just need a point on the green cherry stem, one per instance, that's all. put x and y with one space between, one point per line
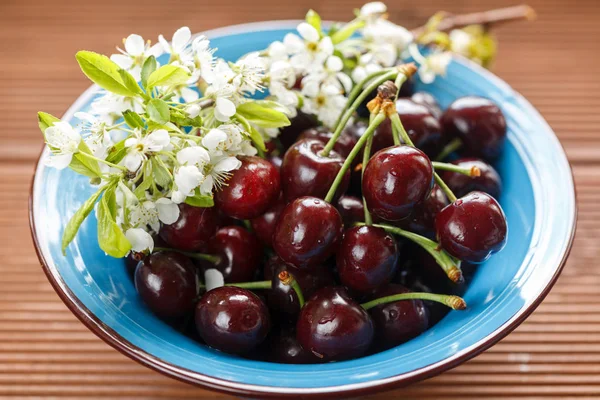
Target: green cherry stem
454 302
450 265
472 172
365 160
288 279
252 285
450 148
375 122
198 256
395 120
349 111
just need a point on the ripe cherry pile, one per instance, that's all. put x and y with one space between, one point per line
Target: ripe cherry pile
329 252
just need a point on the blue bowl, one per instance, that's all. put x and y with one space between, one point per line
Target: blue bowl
538 199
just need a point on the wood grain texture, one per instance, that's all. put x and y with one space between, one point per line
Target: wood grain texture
46 352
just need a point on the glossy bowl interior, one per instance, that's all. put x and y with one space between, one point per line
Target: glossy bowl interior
538 199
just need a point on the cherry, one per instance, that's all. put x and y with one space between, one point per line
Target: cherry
422 219
366 258
308 232
305 172
283 298
192 230
298 124
472 228
420 124
166 282
395 180
251 189
488 181
232 319
428 101
351 209
284 348
479 123
399 321
264 225
333 326
239 253
343 145
276 160
132 260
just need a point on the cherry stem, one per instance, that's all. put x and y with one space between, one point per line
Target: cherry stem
198 256
252 285
365 161
440 182
489 17
349 111
356 91
449 264
288 279
395 120
472 171
450 148
375 122
454 302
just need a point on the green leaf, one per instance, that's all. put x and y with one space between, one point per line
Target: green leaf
133 119
161 173
263 114
130 81
168 75
117 152
346 31
111 238
103 72
46 120
83 162
181 119
149 67
158 111
199 200
78 218
257 139
314 20
140 190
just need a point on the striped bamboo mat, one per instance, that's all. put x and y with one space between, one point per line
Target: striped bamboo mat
45 351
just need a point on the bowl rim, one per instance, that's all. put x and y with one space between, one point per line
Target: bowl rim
111 337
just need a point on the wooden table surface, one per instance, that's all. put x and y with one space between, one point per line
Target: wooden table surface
45 351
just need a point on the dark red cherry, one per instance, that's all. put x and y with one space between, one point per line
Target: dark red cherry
132 260
395 180
298 124
472 228
399 321
239 252
166 282
192 230
344 144
479 123
422 219
333 326
305 172
366 258
232 319
308 232
488 181
271 147
427 100
420 124
282 298
276 160
351 209
264 225
284 348
251 189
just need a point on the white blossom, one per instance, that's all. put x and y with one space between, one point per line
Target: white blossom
431 66
110 107
202 57
63 141
135 53
372 11
179 46
151 213
460 41
140 240
309 48
139 147
384 31
226 139
326 102
250 72
329 74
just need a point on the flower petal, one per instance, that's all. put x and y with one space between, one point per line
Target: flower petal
181 37
334 63
187 178
308 32
195 155
213 278
225 107
59 161
132 161
213 139
158 139
122 60
140 240
135 45
168 212
227 164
